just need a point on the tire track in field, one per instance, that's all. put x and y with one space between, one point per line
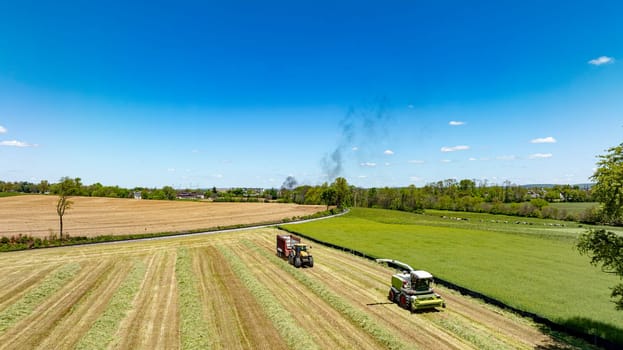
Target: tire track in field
29 331
69 330
329 329
153 321
240 321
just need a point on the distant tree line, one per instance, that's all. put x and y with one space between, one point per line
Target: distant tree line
450 194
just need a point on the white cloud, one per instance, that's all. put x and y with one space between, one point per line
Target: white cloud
415 178
540 156
355 148
415 161
472 158
446 161
601 60
218 176
454 148
171 170
508 157
387 164
362 176
15 143
456 123
368 164
388 152
548 139
3 130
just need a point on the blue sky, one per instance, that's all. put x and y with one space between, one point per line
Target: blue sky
232 93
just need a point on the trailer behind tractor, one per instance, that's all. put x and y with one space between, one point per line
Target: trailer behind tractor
297 253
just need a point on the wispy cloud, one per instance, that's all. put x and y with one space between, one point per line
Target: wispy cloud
362 176
601 60
548 139
416 161
415 178
388 152
454 148
3 130
472 159
368 164
456 123
446 161
540 156
15 143
355 148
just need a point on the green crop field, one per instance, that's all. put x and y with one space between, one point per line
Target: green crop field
529 264
574 208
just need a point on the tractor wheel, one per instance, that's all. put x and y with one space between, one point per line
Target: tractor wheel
311 261
403 302
391 296
297 262
290 260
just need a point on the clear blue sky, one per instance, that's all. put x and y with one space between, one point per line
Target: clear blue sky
231 93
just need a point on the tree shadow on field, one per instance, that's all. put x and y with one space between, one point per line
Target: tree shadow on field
583 333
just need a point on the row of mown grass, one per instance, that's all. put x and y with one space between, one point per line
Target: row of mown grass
529 272
356 316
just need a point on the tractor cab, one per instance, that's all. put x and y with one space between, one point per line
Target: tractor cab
421 281
301 256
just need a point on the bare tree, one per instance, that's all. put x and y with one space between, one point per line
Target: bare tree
63 204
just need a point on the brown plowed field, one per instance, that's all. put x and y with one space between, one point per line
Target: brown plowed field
35 215
235 318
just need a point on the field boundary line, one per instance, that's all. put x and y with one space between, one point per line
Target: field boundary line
590 338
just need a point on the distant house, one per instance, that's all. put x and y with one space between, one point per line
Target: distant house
190 195
138 195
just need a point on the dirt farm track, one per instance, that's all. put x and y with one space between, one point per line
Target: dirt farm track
36 215
221 291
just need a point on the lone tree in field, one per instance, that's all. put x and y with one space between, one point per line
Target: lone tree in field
608 187
606 248
64 189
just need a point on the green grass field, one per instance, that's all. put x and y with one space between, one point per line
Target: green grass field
529 264
574 208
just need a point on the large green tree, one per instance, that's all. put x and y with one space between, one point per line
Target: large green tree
608 187
606 249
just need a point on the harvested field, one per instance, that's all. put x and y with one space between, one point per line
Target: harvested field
230 291
35 215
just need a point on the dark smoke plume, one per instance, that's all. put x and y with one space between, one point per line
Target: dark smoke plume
362 128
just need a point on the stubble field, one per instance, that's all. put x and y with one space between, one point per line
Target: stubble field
229 291
36 216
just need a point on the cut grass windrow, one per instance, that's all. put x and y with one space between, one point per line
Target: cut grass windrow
27 304
103 330
295 337
194 330
357 317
